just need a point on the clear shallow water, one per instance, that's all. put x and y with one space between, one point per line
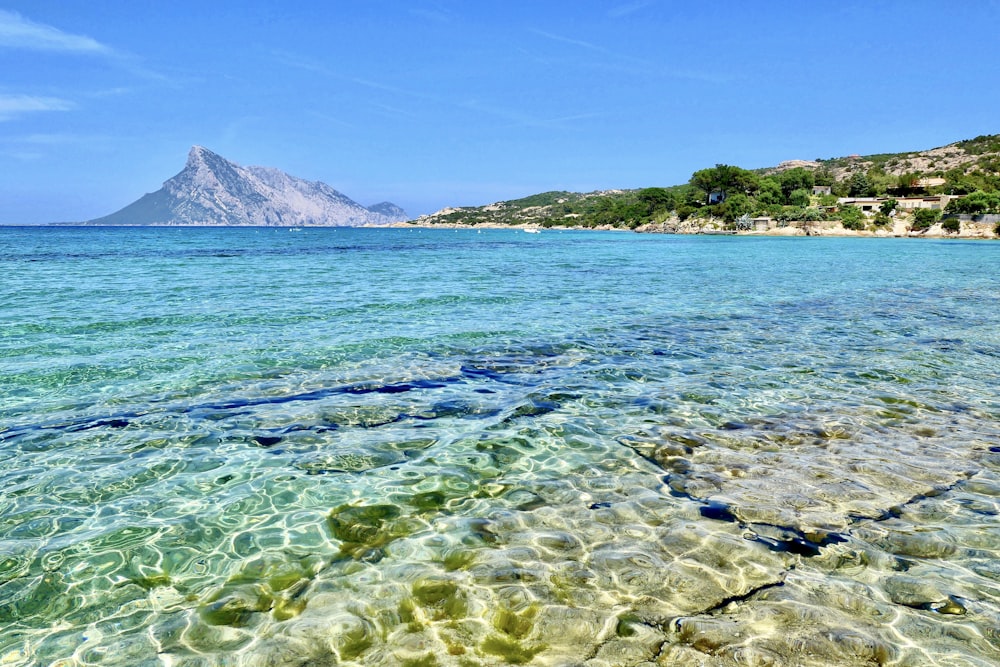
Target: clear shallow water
382 447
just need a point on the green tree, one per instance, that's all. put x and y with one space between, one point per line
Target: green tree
859 185
823 176
880 181
975 203
691 196
888 206
798 178
736 204
799 197
655 200
907 183
725 178
769 192
923 218
852 217
791 213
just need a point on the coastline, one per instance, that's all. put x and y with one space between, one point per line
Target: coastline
834 228
968 230
529 227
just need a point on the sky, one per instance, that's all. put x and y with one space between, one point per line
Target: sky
435 103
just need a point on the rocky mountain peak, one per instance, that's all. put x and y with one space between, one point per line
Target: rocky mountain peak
211 190
196 155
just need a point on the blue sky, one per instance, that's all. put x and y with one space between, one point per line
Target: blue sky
438 103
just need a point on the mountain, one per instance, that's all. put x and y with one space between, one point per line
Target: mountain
390 210
212 191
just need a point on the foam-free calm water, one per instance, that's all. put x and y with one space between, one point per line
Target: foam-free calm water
383 447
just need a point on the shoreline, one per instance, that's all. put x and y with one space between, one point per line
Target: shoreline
969 231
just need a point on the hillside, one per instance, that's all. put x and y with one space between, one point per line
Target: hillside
793 191
957 160
547 208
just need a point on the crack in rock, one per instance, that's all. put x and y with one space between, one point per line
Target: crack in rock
784 538
675 625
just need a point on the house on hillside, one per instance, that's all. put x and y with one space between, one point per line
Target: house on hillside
821 190
866 204
716 197
936 202
871 205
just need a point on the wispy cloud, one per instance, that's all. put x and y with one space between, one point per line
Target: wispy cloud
300 62
629 8
57 139
514 117
569 40
39 146
331 119
521 119
437 15
18 32
12 106
309 65
118 91
612 56
631 64
22 156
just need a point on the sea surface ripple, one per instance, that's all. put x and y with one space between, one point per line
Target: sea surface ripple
460 447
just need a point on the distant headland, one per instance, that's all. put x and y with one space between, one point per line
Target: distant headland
951 191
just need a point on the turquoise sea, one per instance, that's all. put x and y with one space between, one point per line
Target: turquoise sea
457 447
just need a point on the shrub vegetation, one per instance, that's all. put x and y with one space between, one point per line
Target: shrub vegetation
728 193
852 217
924 218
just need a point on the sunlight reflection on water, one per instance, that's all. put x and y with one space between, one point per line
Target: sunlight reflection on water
381 447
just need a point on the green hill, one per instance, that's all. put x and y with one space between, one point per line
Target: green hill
783 192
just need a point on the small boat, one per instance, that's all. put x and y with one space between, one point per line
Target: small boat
532 230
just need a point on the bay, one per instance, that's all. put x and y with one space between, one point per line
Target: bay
460 447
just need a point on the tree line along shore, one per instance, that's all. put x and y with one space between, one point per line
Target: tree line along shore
949 191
